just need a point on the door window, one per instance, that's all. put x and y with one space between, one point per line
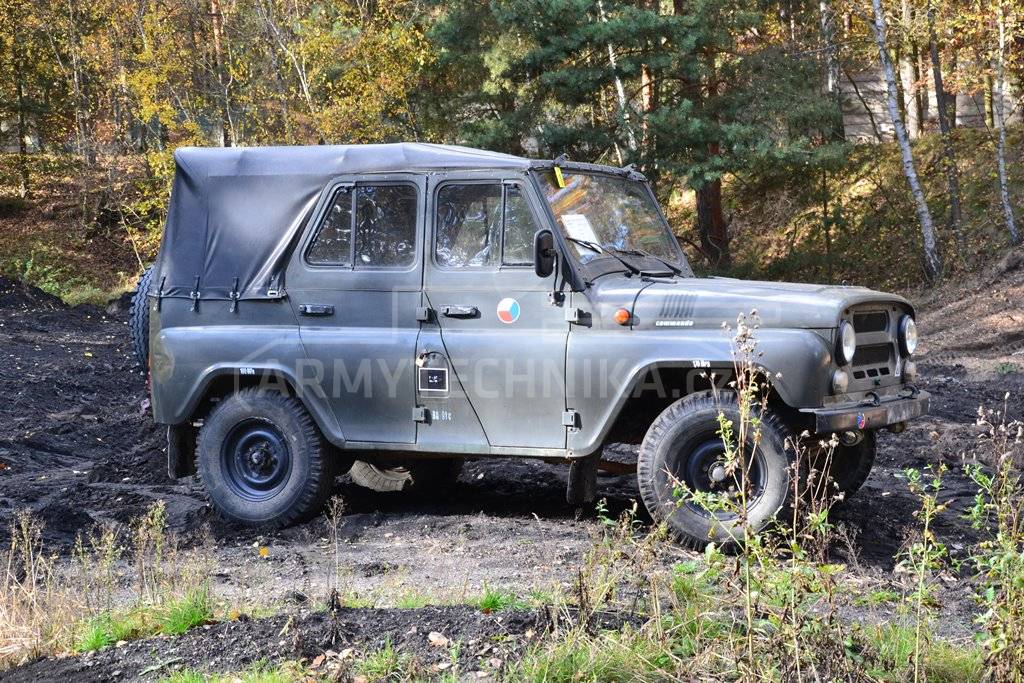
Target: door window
479 225
383 220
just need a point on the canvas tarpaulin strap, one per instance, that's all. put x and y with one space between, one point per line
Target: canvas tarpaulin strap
235 212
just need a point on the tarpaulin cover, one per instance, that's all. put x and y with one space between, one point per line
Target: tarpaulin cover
235 211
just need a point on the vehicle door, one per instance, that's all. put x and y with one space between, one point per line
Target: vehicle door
504 338
355 282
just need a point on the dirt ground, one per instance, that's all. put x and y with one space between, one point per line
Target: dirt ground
78 448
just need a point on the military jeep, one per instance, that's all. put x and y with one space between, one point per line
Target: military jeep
391 310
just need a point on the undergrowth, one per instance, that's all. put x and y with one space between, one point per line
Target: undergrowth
116 586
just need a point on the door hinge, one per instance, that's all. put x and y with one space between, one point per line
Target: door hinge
421 414
571 419
576 316
425 314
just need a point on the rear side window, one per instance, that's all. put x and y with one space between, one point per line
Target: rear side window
381 217
482 224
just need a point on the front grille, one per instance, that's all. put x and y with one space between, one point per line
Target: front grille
872 361
876 356
875 321
872 355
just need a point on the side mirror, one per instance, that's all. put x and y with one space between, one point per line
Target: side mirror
544 253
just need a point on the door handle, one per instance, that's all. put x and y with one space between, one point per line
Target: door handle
460 311
316 309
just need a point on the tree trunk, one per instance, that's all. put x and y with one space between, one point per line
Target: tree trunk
949 153
909 76
1000 121
932 262
620 90
84 148
714 235
832 71
18 64
217 26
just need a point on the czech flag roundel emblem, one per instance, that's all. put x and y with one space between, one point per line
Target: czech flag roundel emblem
508 310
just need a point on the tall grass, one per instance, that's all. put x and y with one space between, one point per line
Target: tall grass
116 586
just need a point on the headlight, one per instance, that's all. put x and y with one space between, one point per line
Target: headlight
908 335
847 343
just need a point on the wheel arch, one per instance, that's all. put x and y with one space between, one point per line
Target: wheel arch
223 380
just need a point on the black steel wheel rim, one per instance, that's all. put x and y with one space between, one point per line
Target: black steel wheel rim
256 459
701 466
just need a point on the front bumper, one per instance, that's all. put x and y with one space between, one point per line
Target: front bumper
886 412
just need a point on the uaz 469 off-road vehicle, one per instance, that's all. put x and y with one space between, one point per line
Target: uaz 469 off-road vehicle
390 310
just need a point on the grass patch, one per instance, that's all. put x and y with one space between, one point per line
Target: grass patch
498 599
172 618
261 672
116 585
385 664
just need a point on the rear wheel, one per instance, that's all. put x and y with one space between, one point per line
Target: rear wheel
138 318
417 475
262 460
683 451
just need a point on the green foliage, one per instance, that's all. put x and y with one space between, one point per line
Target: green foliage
384 664
172 618
260 672
178 616
999 558
498 599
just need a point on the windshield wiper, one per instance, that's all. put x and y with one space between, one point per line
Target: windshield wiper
600 249
641 252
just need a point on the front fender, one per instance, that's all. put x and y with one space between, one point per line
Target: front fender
605 369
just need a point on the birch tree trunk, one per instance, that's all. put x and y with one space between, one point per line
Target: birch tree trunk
932 262
217 28
832 71
620 90
18 64
949 153
999 107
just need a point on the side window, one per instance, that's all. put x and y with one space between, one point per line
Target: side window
383 222
468 225
479 225
519 228
332 245
385 225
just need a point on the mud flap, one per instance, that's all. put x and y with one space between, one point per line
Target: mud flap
582 487
181 450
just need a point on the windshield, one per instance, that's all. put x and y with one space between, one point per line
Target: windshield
605 216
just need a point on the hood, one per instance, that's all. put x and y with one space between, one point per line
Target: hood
709 302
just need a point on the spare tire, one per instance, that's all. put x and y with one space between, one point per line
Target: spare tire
138 318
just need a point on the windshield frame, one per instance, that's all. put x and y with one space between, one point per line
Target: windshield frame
608 263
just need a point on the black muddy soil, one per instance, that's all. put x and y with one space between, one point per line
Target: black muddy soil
485 642
78 448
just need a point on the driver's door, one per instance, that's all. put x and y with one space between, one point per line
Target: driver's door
504 338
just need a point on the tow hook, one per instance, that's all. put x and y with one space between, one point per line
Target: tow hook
898 427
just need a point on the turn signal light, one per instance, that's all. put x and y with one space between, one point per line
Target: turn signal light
622 316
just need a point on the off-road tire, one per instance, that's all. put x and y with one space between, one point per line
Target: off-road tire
138 318
851 465
308 482
690 420
423 475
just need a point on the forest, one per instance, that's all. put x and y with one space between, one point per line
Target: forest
735 110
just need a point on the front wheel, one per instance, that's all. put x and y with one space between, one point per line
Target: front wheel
262 460
686 481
